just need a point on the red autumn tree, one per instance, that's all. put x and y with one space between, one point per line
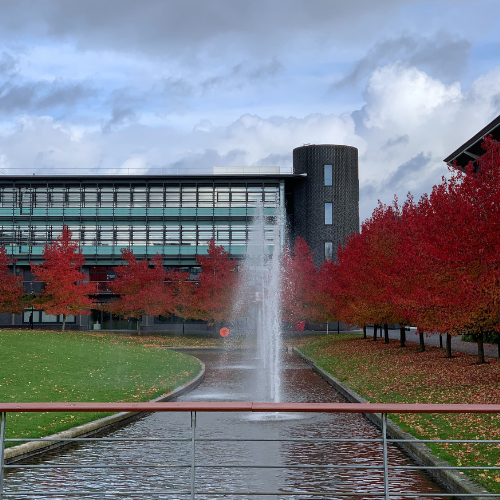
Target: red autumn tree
327 292
11 288
369 277
299 284
66 289
142 289
184 291
459 230
213 299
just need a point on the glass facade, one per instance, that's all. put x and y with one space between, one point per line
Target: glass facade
175 218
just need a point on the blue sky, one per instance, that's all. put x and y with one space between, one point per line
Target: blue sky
121 85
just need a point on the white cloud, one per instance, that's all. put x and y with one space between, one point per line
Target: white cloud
399 96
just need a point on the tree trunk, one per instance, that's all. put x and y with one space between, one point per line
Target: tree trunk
139 327
448 345
183 323
402 336
440 341
214 329
364 336
64 323
386 333
498 344
422 343
374 332
480 348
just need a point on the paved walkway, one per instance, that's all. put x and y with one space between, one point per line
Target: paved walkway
490 350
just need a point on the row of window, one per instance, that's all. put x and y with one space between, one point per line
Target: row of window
42 317
328 176
170 196
129 235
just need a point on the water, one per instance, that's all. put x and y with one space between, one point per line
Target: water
259 300
229 378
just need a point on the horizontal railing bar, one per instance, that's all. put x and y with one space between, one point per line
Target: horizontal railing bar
243 466
236 440
263 493
292 440
250 407
114 466
14 440
95 492
482 441
211 493
284 440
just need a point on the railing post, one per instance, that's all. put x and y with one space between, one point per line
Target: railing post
193 452
384 447
3 421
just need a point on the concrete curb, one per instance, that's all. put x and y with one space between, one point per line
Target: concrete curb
32 448
452 480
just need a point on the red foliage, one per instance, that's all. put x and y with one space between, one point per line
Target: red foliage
142 289
11 288
184 291
66 289
212 300
457 229
299 284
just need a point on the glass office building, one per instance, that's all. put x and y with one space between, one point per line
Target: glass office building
173 216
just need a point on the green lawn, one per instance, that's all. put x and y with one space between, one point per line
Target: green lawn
42 366
387 373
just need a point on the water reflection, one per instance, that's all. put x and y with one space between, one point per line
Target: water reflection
282 463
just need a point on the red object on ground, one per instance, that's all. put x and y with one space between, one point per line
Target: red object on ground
224 332
300 326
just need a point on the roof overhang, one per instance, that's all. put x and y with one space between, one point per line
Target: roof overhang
472 149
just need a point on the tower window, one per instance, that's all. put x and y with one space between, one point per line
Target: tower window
328 250
328 213
328 175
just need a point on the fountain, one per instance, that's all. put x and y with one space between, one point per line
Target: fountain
260 293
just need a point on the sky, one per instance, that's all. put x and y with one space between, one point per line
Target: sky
121 86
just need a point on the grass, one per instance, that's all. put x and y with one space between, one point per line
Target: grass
44 366
387 373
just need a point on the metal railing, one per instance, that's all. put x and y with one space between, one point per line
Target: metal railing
193 408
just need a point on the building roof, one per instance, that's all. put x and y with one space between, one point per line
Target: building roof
472 149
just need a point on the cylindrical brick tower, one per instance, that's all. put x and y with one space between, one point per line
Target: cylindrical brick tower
326 201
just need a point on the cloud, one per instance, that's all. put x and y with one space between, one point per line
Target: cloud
187 28
397 95
8 63
32 97
440 56
206 160
119 116
242 74
397 140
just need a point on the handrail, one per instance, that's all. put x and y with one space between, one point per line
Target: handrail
211 491
251 407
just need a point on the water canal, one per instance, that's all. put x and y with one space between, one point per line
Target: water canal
230 376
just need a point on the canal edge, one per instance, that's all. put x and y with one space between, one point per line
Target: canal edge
34 448
420 452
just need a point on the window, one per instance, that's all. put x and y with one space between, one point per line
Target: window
328 213
328 250
328 175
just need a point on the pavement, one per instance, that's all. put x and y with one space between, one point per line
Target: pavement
457 344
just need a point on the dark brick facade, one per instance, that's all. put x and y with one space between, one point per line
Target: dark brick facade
311 194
